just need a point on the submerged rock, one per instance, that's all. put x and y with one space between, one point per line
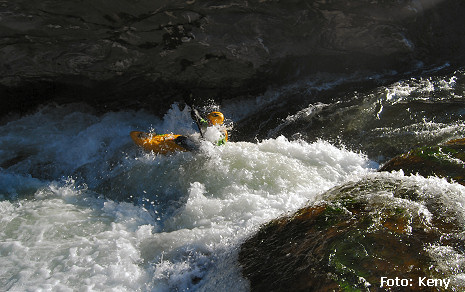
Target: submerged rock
446 161
148 53
361 232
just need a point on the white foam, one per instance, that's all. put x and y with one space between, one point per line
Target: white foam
65 240
232 190
418 88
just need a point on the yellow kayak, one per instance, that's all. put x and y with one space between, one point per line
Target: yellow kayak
163 144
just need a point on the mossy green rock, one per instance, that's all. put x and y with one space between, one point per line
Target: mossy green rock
378 227
446 160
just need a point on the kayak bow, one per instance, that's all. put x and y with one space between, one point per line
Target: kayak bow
163 144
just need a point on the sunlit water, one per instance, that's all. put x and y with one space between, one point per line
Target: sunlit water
82 208
385 121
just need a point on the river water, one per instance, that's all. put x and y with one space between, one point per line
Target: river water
82 208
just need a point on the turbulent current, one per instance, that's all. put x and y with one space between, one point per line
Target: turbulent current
83 208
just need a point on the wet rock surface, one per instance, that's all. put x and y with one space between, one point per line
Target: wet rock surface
147 54
361 232
446 160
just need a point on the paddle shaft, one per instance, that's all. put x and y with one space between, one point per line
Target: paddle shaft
194 114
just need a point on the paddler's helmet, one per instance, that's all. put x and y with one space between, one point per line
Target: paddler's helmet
216 118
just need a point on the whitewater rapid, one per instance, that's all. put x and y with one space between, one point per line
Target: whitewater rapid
82 207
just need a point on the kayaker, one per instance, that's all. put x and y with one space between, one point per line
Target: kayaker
213 121
211 129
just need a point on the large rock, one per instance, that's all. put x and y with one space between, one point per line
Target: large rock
446 161
145 53
378 227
